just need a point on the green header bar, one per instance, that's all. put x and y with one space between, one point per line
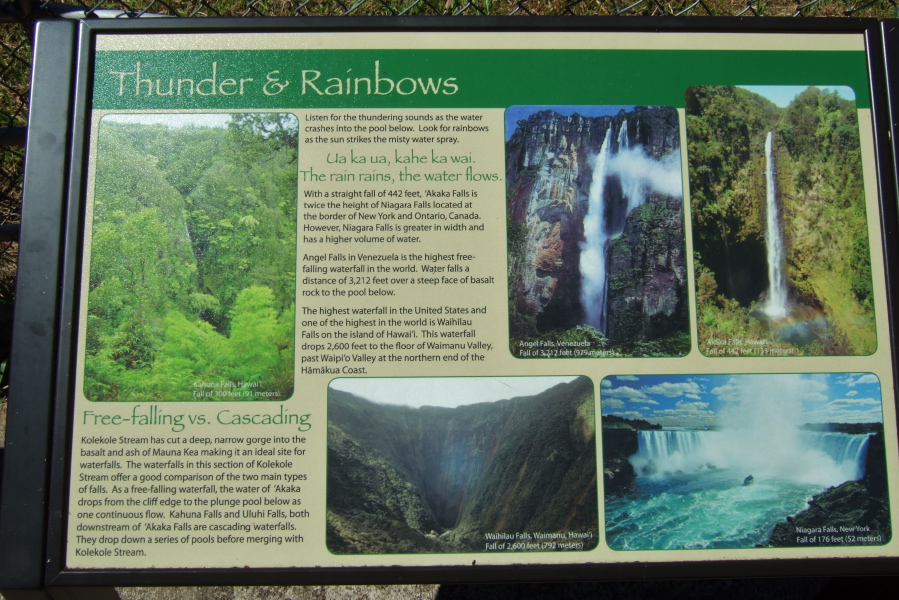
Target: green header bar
272 79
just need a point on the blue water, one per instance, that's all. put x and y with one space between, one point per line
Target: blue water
689 492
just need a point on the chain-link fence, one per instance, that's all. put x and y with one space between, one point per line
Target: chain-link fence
30 10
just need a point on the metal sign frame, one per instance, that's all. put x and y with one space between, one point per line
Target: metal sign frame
35 506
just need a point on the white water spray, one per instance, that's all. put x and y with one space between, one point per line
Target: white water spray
639 175
831 458
622 136
776 305
761 434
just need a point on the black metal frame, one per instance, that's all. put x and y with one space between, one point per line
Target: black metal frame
33 505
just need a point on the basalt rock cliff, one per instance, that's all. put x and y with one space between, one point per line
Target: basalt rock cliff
435 479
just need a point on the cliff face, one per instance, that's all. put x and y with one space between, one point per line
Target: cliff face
648 273
402 479
551 165
619 443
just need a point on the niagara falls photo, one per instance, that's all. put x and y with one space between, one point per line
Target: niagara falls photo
743 461
780 233
191 288
464 464
595 232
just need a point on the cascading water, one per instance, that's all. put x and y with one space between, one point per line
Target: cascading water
638 175
776 304
693 488
829 458
593 260
622 136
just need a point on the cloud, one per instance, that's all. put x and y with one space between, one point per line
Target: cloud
814 397
745 387
645 401
673 389
851 393
630 414
848 410
729 392
627 393
612 403
845 415
863 378
814 385
685 414
855 402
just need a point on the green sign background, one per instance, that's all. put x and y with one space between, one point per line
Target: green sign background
485 78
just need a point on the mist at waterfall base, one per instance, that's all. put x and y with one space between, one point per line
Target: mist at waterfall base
639 176
690 491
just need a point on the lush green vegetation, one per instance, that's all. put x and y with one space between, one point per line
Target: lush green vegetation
822 204
193 260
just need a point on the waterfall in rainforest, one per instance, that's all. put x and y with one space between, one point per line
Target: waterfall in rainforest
776 304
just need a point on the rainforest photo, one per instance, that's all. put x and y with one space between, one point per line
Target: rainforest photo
595 221
780 234
192 258
465 464
744 461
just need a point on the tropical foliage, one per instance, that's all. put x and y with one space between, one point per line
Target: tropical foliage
822 212
193 260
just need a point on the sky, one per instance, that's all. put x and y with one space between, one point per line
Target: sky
173 120
448 392
698 400
514 114
782 95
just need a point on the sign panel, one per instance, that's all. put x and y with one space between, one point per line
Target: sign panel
442 299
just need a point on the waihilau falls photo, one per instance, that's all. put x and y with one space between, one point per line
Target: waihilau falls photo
412 468
596 250
780 234
744 461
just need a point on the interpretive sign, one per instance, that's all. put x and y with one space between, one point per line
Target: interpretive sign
432 298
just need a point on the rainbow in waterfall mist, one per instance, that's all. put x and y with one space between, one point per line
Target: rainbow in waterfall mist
735 454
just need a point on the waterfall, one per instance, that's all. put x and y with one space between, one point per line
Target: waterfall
830 458
669 451
847 450
638 175
622 136
776 305
593 259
